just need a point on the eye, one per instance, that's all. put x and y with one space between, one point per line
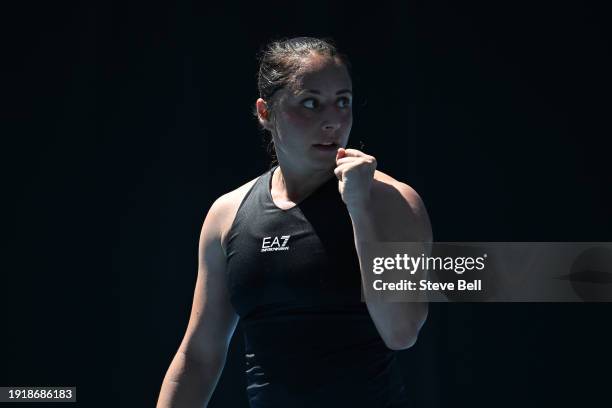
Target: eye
310 103
344 102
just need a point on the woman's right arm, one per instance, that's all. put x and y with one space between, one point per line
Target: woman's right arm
197 365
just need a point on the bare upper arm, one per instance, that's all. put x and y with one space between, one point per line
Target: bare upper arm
213 319
403 209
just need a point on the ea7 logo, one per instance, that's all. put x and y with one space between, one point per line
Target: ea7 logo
276 244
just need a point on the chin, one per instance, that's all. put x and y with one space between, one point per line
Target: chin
324 163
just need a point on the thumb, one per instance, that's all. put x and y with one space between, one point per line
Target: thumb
341 153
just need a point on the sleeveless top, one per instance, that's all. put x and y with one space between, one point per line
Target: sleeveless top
294 280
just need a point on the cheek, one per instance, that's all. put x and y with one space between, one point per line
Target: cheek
346 121
298 118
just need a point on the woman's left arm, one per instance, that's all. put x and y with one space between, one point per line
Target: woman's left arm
384 212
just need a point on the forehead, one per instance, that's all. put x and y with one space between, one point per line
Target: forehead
321 73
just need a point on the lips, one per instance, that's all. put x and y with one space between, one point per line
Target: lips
326 147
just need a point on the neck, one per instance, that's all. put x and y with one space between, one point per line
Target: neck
293 185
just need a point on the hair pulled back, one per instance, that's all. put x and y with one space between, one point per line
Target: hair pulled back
279 64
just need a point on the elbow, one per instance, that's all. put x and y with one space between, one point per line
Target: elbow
402 338
401 341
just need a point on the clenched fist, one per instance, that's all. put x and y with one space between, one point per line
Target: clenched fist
355 172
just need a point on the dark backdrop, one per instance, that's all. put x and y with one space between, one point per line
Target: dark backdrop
124 121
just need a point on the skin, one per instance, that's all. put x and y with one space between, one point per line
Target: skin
302 118
381 209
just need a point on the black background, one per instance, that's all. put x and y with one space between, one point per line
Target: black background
122 122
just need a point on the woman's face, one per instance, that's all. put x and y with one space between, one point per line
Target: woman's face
315 110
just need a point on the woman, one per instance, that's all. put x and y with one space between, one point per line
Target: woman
282 255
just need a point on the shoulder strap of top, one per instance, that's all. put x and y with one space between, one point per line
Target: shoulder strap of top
251 201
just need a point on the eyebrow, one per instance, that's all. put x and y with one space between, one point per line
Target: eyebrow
314 91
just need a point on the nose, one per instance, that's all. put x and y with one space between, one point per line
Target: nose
331 122
330 126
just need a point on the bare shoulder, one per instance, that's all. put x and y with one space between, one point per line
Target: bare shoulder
223 210
400 201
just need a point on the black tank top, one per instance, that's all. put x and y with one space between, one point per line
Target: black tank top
294 280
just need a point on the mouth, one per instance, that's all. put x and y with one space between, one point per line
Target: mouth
330 146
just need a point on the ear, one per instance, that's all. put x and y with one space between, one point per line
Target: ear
263 113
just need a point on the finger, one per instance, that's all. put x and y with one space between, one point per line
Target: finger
354 153
340 153
341 169
345 160
338 171
365 159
